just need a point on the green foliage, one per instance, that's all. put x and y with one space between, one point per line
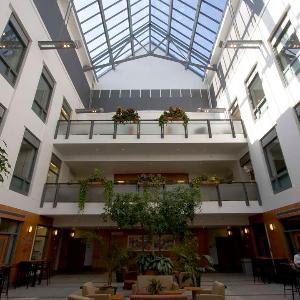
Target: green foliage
145 262
151 180
189 261
155 287
95 176
4 164
163 265
197 181
174 114
83 190
126 115
156 211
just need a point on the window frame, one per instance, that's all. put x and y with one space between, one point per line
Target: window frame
233 108
46 237
31 139
23 36
296 111
277 34
3 115
257 110
68 110
274 177
46 75
57 162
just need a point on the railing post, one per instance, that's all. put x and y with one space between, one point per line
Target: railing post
55 196
232 128
68 129
43 195
244 129
92 130
209 129
246 194
138 134
219 195
115 130
56 129
162 131
186 133
258 195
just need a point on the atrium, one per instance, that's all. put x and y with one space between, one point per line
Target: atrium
149 138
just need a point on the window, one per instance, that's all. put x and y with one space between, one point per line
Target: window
235 110
43 95
54 169
256 94
40 243
9 230
286 46
246 164
297 110
278 172
2 113
14 43
65 112
22 175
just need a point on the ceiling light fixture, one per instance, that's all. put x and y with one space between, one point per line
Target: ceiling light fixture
241 44
51 45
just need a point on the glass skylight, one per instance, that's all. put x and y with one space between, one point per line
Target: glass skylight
114 30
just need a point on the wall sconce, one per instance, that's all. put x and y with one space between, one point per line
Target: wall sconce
272 227
246 230
72 234
229 232
55 232
30 228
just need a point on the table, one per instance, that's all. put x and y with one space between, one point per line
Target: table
194 289
117 296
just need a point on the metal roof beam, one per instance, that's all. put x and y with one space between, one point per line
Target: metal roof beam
198 9
169 25
130 26
106 33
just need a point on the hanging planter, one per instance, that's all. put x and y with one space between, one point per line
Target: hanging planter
174 114
123 116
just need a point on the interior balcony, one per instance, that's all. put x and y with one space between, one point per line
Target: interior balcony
237 197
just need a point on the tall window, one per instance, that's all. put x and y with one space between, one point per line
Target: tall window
43 95
22 175
40 243
297 110
65 112
286 46
54 169
13 44
278 172
235 110
2 113
256 94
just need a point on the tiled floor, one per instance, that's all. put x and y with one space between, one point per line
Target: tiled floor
239 287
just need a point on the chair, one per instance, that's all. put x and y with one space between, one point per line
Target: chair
44 269
289 277
91 291
216 293
78 297
4 280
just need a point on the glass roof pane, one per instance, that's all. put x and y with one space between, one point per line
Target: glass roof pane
188 33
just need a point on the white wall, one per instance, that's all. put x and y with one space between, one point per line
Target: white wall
280 99
150 73
18 100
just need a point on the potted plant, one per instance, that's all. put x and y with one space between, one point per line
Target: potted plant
205 179
154 180
163 265
4 164
145 263
173 114
128 115
155 287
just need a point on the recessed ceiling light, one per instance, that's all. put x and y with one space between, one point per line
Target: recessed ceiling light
123 149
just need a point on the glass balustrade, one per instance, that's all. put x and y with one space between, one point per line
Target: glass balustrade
94 128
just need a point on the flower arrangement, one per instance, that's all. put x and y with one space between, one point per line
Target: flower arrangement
126 115
173 114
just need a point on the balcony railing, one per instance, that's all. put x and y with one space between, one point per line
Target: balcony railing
195 127
69 192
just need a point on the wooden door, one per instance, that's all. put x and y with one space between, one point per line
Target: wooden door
4 240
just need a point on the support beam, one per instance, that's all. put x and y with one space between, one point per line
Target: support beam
198 9
150 12
130 27
209 67
106 33
169 26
